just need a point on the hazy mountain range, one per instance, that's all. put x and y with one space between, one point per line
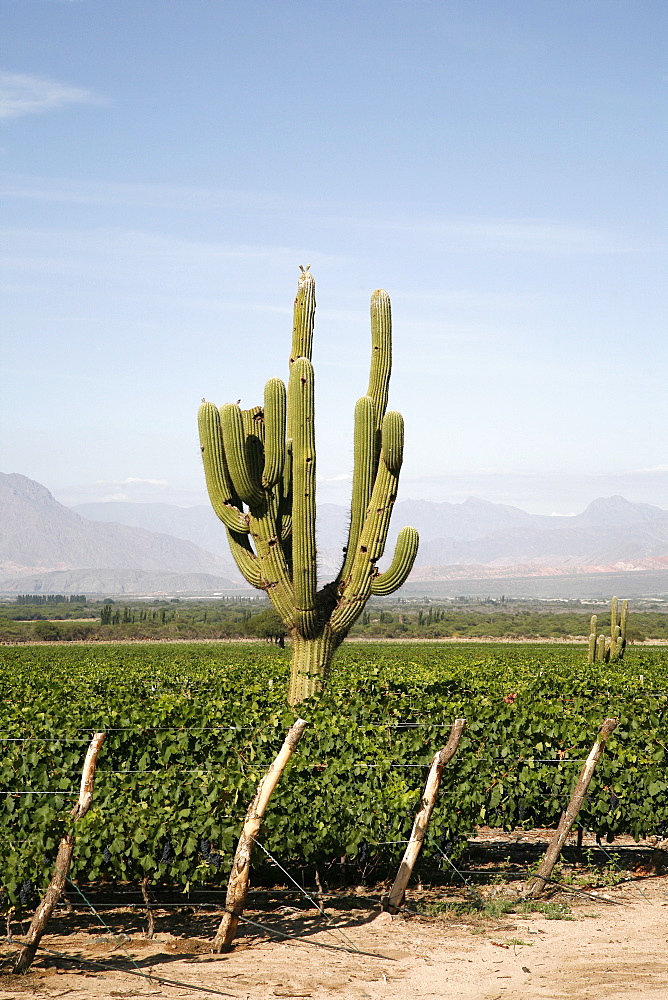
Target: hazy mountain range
160 548
47 548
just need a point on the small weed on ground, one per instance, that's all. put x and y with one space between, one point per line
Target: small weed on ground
492 909
551 911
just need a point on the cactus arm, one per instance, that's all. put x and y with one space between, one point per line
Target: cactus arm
273 569
301 405
253 424
381 353
303 318
356 589
234 440
364 470
624 620
593 638
218 483
274 430
285 508
302 347
612 655
264 521
253 421
245 558
286 499
402 563
392 441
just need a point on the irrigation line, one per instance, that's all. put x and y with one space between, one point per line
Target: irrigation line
41 739
303 890
471 888
600 847
301 940
124 905
582 892
466 882
105 925
70 791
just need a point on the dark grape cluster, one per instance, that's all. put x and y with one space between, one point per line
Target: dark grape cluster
449 844
211 857
107 855
26 892
167 852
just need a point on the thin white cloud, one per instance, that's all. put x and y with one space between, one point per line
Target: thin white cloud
114 497
24 94
131 481
450 233
494 234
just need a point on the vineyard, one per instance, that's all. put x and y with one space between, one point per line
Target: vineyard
191 729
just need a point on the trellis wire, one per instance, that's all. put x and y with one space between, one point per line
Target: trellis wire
302 890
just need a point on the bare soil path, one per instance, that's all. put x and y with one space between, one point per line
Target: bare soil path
606 951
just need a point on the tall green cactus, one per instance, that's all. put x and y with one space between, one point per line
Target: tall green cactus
260 467
612 651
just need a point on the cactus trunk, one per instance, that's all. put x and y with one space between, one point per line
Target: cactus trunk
311 660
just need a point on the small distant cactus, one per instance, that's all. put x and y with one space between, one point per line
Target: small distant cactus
602 650
260 475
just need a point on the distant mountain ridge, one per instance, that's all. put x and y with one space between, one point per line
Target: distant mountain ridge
153 548
40 537
611 534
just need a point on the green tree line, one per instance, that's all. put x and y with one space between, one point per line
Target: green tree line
238 618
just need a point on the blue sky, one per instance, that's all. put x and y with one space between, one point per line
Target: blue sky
499 167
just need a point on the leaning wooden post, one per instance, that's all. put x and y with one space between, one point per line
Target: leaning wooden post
237 888
63 861
568 817
393 902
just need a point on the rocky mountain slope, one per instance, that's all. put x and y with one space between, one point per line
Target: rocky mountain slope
40 536
472 538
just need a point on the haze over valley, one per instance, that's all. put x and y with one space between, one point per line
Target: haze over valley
144 548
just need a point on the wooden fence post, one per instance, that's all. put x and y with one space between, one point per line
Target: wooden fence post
63 861
393 902
237 888
568 817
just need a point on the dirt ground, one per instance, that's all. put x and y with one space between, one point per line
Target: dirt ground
613 943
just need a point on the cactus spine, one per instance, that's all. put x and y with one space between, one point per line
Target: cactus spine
612 651
260 469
